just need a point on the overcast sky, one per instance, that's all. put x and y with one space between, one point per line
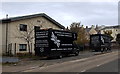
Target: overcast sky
89 13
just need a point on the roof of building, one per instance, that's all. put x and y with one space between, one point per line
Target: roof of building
111 27
87 29
32 16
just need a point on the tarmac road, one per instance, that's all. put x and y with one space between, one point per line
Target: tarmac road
108 67
79 65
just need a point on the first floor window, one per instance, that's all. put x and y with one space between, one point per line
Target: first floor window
22 47
23 27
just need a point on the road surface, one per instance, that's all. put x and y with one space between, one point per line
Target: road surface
80 65
108 67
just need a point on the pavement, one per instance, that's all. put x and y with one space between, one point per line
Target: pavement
80 65
21 66
9 59
32 65
27 64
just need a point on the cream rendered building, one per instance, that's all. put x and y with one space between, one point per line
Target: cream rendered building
21 27
92 31
115 30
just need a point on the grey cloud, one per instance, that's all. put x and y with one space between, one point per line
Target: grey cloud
65 13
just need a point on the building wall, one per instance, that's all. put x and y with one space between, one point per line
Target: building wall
92 31
0 39
14 34
3 37
115 31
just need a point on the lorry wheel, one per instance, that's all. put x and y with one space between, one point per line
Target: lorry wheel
60 56
76 53
102 50
107 49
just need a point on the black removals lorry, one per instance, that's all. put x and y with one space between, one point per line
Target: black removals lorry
55 43
100 42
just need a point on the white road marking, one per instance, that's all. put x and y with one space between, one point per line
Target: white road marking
79 60
98 65
83 70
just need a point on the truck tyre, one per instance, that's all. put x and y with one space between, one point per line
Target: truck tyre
76 53
60 56
102 50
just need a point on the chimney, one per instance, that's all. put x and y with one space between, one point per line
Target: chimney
96 26
92 26
86 27
82 26
6 16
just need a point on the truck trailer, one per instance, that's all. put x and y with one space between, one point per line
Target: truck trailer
55 43
100 42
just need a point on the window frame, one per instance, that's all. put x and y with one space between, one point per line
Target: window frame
22 27
22 47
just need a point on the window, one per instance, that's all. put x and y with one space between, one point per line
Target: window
23 27
22 47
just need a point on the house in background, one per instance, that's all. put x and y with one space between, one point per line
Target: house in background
16 30
90 31
115 30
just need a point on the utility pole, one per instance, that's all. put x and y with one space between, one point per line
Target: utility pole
6 34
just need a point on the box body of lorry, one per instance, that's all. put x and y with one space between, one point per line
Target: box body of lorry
100 42
52 42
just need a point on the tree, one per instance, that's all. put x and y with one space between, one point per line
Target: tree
80 30
26 36
82 39
118 38
108 32
74 27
